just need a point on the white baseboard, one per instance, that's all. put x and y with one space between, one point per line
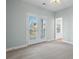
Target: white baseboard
15 48
68 42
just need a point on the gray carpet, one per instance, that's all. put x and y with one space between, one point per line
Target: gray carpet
50 50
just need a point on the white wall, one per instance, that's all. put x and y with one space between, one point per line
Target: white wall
16 22
67 15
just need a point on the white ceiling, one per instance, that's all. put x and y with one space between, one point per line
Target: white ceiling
49 6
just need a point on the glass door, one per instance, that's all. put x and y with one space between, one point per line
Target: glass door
37 29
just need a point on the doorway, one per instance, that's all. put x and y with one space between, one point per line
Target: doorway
59 29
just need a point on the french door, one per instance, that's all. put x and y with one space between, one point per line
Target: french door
37 29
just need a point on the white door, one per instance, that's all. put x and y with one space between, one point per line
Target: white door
59 28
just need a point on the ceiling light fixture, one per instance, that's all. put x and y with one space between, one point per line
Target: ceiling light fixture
43 4
55 1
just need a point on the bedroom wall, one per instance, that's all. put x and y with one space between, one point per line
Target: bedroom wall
67 15
16 11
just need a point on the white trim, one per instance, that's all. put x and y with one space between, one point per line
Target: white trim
15 48
68 42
